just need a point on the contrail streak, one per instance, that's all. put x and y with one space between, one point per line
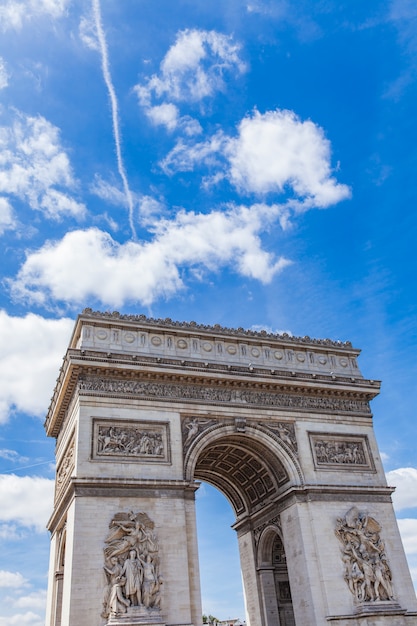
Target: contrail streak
114 109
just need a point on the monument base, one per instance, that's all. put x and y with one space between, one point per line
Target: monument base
376 608
137 615
383 613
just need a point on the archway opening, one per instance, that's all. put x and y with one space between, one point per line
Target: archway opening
251 476
220 572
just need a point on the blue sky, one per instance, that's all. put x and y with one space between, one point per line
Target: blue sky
249 163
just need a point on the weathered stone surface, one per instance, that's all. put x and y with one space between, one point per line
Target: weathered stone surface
144 409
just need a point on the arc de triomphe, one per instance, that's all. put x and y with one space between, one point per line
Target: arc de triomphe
144 409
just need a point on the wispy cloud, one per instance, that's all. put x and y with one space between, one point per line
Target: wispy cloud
115 110
13 13
148 208
7 216
12 456
22 619
192 70
35 168
4 75
115 274
33 600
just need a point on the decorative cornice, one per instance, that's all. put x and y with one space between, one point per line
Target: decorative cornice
89 375
217 329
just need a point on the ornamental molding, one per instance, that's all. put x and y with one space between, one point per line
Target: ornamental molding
220 393
216 329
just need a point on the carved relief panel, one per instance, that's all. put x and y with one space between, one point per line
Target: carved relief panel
131 441
132 570
367 572
331 451
286 432
65 467
193 426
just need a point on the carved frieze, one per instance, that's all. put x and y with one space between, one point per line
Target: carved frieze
367 572
130 440
186 392
65 467
350 452
132 570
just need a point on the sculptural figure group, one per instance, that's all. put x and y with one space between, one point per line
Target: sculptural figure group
131 566
128 441
367 572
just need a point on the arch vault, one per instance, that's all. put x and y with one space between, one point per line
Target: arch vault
145 409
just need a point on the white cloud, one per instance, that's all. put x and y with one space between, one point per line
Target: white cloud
90 263
192 70
276 151
149 208
408 530
12 579
13 456
35 168
13 13
165 114
23 342
405 481
21 619
193 67
26 500
10 532
268 329
33 600
272 153
108 192
4 75
88 33
7 218
186 155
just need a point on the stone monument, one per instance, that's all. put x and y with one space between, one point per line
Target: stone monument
144 409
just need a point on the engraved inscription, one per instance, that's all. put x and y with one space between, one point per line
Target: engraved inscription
340 451
130 440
